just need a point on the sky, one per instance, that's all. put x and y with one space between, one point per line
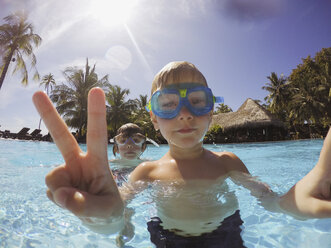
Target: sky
236 44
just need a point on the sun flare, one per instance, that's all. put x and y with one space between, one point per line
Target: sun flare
111 12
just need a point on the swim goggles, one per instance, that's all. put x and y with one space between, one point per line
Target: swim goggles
136 139
168 102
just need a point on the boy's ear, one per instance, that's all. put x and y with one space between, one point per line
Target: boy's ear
211 113
154 121
210 117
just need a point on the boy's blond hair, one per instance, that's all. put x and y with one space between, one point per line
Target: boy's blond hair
177 71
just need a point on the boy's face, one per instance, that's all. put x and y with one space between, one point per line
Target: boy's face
186 129
130 147
130 151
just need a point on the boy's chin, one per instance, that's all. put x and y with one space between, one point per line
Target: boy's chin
187 144
130 156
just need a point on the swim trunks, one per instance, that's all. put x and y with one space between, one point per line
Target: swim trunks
226 235
121 175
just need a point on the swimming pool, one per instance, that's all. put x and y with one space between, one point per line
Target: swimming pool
29 219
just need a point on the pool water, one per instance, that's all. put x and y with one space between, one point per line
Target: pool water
29 219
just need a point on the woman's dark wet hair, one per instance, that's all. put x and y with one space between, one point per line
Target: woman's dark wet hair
128 130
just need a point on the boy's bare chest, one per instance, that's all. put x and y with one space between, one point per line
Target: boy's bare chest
190 170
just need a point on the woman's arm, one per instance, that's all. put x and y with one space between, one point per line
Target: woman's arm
311 196
308 198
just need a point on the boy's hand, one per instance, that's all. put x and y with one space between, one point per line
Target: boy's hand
311 196
84 184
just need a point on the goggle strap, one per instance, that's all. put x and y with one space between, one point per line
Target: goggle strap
218 99
153 142
148 107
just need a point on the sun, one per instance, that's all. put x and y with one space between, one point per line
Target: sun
111 12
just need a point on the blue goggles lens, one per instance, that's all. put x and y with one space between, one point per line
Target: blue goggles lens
137 139
167 103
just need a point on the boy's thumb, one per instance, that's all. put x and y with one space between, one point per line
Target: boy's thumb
71 199
61 195
83 204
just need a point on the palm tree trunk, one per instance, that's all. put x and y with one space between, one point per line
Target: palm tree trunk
309 123
39 124
5 69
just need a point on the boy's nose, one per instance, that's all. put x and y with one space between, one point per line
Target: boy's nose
129 143
185 114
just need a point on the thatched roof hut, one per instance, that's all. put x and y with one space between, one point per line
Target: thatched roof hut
249 115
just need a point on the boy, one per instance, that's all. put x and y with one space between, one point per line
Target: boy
182 110
129 142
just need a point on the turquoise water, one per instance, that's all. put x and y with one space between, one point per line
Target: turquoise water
29 219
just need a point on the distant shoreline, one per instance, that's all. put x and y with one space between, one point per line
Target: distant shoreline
245 142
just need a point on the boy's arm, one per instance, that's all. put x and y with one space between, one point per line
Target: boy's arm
142 174
84 184
240 175
311 196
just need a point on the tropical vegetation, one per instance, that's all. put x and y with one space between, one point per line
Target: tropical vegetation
279 92
48 82
71 97
17 40
222 108
119 110
142 118
304 97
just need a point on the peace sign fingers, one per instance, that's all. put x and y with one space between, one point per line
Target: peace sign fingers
97 138
62 137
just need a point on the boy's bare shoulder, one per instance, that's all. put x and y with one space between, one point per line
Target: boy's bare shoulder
231 161
226 155
142 171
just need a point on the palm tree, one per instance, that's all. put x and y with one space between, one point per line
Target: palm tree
119 110
17 39
142 118
48 81
306 104
310 102
142 102
140 113
222 108
279 93
325 78
71 99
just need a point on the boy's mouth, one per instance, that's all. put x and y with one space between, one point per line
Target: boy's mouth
130 153
186 130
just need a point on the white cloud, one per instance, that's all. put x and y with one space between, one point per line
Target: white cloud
16 107
6 94
53 19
